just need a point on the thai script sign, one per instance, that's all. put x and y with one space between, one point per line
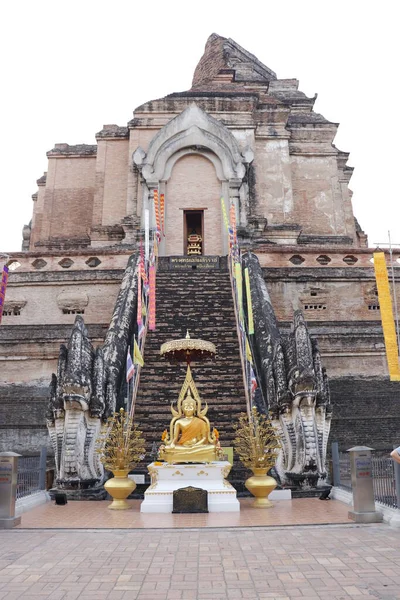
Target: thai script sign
198 262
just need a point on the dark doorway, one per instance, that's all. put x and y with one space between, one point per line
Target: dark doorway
193 232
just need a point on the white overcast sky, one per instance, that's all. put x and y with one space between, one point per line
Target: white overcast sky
67 68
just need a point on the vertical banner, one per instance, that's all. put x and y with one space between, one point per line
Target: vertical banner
3 286
152 297
388 326
157 211
146 234
232 215
139 296
250 321
239 288
142 269
224 215
162 208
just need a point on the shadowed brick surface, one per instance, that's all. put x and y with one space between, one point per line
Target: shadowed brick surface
331 563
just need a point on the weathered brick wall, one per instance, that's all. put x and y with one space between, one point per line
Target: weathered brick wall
349 331
22 419
44 302
68 203
193 184
273 189
366 411
37 216
112 168
317 196
342 300
210 63
28 358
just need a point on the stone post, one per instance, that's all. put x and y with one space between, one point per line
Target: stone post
362 485
8 489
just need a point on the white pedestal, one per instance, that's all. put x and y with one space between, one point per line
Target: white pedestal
166 478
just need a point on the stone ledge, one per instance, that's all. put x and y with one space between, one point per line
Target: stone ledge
52 276
318 273
36 333
391 516
23 505
75 150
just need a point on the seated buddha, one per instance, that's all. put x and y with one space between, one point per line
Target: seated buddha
190 439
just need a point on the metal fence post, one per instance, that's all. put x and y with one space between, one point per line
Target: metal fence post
396 468
336 464
42 468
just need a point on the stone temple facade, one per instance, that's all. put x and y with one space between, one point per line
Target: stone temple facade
242 133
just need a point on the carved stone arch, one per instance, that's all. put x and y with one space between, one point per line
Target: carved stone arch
193 127
195 132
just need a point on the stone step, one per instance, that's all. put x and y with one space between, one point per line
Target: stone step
201 302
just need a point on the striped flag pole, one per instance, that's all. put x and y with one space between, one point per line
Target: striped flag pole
157 211
162 205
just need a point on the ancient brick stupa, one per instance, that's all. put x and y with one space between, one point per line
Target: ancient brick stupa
242 134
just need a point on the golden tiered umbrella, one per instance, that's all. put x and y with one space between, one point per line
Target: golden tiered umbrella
188 350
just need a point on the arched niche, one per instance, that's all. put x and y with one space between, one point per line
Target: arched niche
193 132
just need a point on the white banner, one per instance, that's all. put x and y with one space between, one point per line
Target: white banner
146 234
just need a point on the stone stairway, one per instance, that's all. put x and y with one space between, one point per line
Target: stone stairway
199 300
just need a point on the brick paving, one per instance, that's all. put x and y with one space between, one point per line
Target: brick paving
335 562
84 515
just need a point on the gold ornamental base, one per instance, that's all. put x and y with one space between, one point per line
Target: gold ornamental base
261 485
119 488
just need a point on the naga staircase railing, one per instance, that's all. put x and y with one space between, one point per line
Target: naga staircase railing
249 367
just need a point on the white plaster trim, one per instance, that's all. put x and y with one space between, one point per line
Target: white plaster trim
193 127
23 505
391 516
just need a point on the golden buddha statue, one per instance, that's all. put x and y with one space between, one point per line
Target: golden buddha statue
190 438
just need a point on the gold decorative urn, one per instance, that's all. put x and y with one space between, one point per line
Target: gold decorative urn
256 443
120 487
260 485
121 447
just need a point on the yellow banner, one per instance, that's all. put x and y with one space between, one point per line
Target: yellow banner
388 326
249 304
225 216
137 355
239 288
249 356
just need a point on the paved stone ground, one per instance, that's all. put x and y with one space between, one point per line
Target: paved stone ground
333 562
95 515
